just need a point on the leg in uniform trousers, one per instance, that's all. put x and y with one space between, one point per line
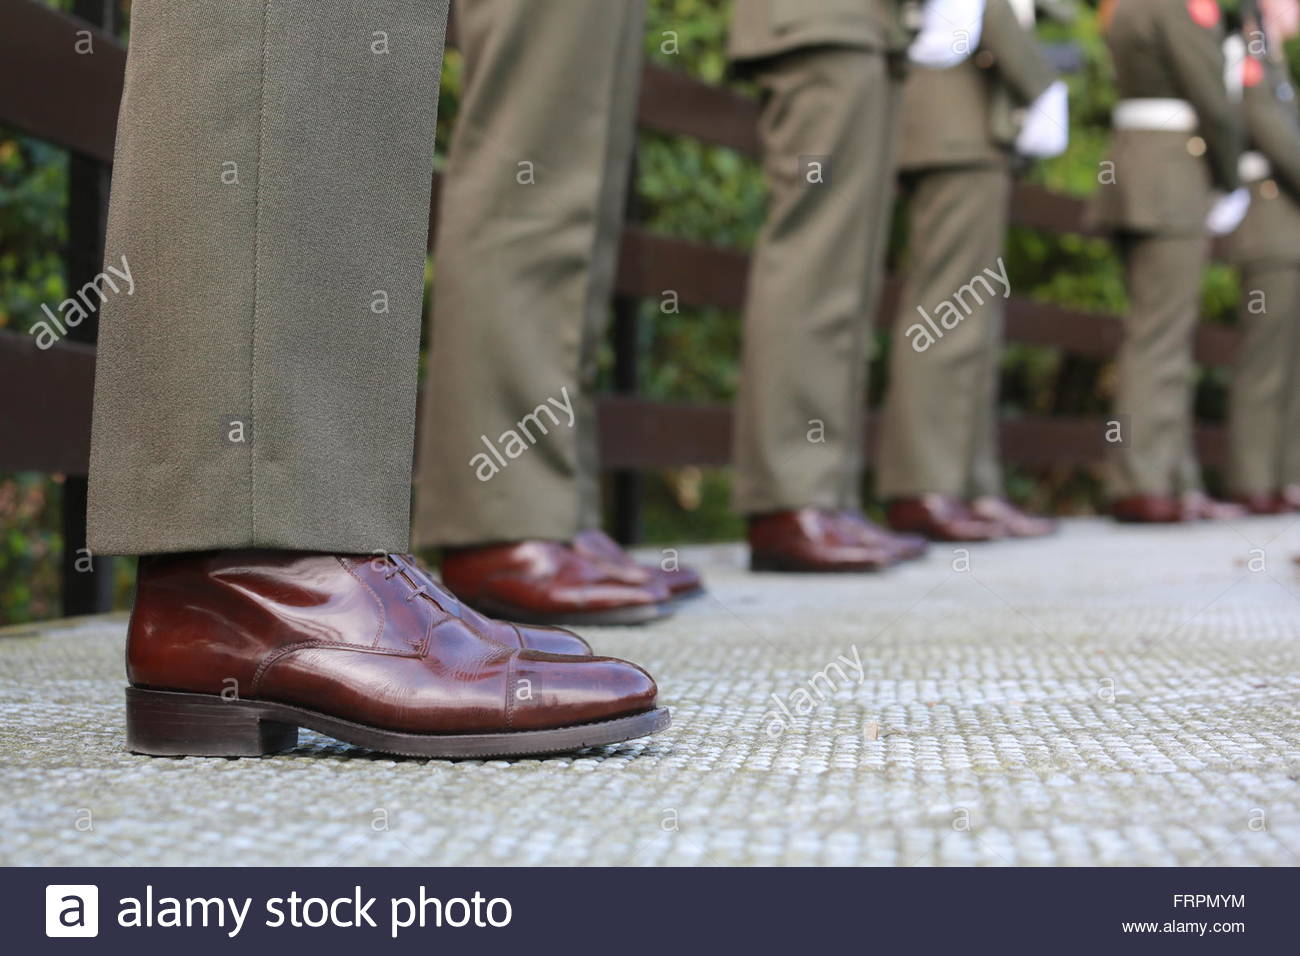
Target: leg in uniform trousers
986 477
939 404
1261 432
1291 423
255 399
939 460
829 116
1155 374
525 258
267 162
986 490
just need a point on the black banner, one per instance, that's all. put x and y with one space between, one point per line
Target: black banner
631 911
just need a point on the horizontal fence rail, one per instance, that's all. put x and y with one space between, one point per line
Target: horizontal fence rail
51 92
638 433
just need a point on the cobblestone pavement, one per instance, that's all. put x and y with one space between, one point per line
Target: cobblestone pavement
1109 696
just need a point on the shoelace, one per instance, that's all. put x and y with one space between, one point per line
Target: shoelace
396 568
412 575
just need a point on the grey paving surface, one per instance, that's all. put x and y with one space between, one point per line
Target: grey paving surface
1111 696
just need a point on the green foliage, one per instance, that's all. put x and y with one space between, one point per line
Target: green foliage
33 190
29 548
33 186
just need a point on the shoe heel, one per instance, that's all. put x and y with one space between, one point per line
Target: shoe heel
766 562
171 724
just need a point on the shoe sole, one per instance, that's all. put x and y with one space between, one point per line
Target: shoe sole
610 617
786 566
175 724
1030 537
912 554
954 539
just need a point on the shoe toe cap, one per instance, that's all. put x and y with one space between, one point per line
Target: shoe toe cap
553 691
682 581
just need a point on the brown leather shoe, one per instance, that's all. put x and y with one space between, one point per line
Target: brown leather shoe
940 518
904 547
529 637
1011 521
682 581
230 652
1266 503
549 582
811 540
1198 506
1291 496
1148 509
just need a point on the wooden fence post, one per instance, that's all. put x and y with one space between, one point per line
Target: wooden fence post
627 485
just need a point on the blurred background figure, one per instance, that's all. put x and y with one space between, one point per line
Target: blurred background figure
831 75
1174 156
533 200
963 129
1265 400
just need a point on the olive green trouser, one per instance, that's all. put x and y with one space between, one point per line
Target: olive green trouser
940 421
1153 401
256 388
1264 420
1291 442
527 245
828 130
1291 427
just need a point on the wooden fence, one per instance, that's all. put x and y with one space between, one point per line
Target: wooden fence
52 92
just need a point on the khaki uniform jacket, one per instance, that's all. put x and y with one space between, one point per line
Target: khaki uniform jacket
1271 229
968 114
1163 179
763 28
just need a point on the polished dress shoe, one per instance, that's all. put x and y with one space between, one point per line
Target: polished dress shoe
533 637
230 652
1198 506
904 547
1291 496
1264 503
812 540
1011 521
682 581
551 582
940 518
1148 509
